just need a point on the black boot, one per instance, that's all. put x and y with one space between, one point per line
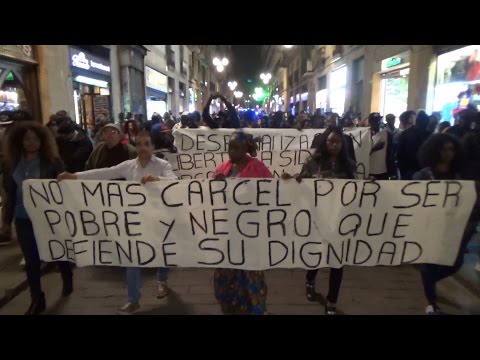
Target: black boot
311 294
37 306
67 285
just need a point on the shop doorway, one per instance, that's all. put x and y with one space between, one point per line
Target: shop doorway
18 88
92 104
394 93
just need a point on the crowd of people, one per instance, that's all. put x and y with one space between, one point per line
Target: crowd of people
423 148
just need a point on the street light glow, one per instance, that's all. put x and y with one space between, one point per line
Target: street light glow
220 68
224 61
287 46
216 61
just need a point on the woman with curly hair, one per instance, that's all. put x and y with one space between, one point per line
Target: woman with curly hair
331 160
441 158
241 292
31 153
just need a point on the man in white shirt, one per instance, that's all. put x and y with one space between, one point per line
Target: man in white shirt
145 168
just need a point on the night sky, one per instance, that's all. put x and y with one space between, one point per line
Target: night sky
246 64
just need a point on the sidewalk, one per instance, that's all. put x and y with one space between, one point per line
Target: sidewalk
365 291
13 279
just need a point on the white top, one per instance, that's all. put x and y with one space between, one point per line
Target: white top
131 170
378 160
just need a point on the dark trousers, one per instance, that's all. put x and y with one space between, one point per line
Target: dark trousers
28 244
334 282
433 273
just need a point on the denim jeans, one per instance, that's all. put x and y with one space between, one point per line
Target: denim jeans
28 244
134 281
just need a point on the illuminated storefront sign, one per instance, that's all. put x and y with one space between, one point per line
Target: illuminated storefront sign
156 80
81 60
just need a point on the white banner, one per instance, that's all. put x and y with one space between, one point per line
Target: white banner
203 164
200 151
250 224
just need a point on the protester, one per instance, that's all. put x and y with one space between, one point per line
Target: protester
110 152
409 144
131 131
229 120
330 161
73 144
241 292
31 153
443 126
381 166
441 159
145 168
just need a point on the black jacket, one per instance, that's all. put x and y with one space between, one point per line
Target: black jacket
408 145
233 119
48 170
76 152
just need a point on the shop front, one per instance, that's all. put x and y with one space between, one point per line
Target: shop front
18 79
457 82
394 73
91 87
157 87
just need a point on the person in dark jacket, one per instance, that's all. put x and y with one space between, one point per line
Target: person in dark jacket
74 145
31 153
441 158
409 143
228 120
330 161
466 118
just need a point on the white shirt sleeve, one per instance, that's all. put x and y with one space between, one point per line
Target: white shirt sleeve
114 172
167 172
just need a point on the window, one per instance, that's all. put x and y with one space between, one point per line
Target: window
357 82
170 57
322 82
338 82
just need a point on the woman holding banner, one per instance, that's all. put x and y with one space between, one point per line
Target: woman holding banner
441 158
31 153
241 292
330 161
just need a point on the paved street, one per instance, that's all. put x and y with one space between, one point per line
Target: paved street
365 291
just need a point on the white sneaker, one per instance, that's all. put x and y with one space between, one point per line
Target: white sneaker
477 267
162 290
129 309
432 310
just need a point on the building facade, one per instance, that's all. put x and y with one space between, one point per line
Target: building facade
374 78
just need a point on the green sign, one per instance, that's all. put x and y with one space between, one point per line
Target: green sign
393 62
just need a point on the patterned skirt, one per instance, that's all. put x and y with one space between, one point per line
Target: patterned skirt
241 292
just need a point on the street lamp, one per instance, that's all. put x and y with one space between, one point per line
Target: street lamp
238 94
265 77
232 85
220 64
287 46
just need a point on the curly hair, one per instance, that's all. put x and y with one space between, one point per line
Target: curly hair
322 156
248 139
430 152
13 145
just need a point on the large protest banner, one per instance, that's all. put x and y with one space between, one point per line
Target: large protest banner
249 223
200 151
